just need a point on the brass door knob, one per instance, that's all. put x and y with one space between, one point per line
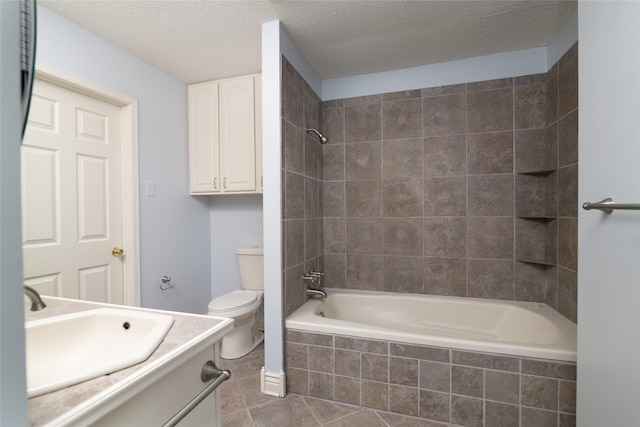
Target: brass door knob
117 251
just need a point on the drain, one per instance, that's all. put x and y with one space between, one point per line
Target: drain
126 326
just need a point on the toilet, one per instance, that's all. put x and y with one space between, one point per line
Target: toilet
242 306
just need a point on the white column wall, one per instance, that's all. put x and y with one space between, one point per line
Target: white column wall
609 245
13 384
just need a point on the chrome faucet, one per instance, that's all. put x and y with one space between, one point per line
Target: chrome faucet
36 301
315 292
314 284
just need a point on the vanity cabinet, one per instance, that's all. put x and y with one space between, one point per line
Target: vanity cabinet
225 136
156 402
149 393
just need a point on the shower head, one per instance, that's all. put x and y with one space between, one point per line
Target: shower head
323 139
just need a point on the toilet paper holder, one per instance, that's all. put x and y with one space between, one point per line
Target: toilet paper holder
166 283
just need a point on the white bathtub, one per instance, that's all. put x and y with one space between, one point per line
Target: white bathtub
508 327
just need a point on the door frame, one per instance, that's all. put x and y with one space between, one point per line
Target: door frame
129 169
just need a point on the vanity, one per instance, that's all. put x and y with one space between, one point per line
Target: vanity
149 393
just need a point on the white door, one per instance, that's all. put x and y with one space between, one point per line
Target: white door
71 196
609 245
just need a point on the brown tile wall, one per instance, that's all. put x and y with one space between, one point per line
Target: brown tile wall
447 190
563 292
301 185
463 190
458 387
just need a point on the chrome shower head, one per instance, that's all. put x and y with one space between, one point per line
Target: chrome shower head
323 139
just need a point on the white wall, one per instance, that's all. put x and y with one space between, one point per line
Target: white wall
236 221
174 227
13 386
609 245
563 40
489 67
276 42
271 199
497 66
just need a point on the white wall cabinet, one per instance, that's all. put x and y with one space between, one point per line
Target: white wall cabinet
225 136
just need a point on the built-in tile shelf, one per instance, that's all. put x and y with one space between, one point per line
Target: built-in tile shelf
536 195
536 214
537 172
537 261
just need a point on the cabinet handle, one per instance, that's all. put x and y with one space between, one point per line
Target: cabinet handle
262 182
224 182
215 183
209 372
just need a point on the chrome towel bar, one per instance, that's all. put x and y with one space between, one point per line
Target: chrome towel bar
209 372
608 205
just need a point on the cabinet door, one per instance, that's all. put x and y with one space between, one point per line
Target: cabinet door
258 133
204 165
154 402
237 134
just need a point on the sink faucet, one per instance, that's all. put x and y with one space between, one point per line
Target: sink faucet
314 285
36 301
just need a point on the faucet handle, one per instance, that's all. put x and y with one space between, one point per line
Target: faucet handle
311 277
316 277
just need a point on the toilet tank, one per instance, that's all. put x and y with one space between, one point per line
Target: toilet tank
250 262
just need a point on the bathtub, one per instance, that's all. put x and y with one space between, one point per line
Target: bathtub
524 329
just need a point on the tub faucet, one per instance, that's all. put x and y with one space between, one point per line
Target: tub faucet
314 284
36 301
314 292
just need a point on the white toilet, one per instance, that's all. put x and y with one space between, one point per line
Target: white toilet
242 305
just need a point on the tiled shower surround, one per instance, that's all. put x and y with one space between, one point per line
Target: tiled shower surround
449 386
465 190
422 190
301 185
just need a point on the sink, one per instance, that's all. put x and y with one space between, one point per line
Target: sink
68 349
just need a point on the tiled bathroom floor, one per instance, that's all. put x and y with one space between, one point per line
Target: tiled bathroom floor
244 406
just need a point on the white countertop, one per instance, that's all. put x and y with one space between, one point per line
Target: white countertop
187 330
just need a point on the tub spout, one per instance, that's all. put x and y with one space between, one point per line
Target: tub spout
315 292
34 297
314 284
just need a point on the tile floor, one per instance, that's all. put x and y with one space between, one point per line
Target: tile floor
244 406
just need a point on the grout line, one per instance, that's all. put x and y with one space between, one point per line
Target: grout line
310 410
376 413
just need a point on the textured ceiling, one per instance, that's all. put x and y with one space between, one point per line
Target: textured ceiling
204 40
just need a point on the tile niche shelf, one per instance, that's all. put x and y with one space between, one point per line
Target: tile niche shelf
536 240
536 216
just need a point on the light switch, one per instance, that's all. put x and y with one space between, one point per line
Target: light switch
150 188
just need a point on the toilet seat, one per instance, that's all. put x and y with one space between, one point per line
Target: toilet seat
235 303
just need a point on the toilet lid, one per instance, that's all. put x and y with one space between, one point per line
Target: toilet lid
233 300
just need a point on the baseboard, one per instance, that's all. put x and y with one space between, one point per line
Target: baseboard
273 384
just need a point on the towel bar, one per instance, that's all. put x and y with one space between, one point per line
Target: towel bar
209 372
608 205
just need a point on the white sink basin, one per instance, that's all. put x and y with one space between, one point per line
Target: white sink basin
69 349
